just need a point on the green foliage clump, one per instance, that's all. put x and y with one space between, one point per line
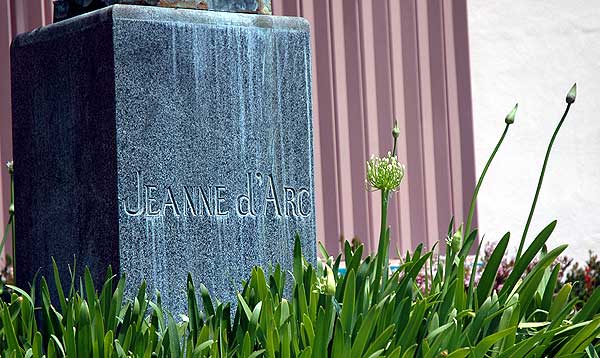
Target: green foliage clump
366 312
327 315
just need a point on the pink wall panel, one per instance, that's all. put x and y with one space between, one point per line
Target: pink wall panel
373 62
16 16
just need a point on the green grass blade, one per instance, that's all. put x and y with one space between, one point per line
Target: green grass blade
528 256
486 282
347 314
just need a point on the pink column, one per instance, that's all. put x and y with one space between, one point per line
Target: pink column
16 16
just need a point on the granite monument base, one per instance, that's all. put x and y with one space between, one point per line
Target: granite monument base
163 142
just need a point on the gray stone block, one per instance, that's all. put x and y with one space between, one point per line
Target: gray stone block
163 142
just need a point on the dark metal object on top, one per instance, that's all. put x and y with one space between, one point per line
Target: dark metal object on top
64 9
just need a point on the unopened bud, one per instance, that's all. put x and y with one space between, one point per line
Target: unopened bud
330 288
456 240
510 117
572 94
395 130
10 166
11 209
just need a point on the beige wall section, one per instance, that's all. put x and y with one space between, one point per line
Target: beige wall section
532 52
373 62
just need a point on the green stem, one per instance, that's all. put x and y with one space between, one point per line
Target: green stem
381 271
12 226
382 264
540 180
470 296
467 231
381 250
385 197
5 236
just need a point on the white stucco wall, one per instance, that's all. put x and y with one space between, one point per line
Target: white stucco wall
531 52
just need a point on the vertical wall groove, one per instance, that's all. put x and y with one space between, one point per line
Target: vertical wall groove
451 160
344 197
402 199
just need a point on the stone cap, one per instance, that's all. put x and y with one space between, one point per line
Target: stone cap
160 14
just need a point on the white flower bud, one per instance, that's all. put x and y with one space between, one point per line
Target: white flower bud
572 94
510 117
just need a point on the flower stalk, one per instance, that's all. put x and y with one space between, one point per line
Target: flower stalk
570 99
510 119
384 174
10 225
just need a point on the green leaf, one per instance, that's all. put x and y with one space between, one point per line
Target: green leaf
376 354
486 343
589 309
246 309
59 289
257 353
381 341
410 352
550 288
58 345
467 244
532 281
206 301
591 351
528 256
434 333
297 259
108 344
486 282
37 345
347 314
322 250
89 286
364 332
322 332
22 293
579 342
115 305
460 353
174 347
341 341
559 302
9 331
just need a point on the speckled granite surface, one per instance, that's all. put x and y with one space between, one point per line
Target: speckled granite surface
163 142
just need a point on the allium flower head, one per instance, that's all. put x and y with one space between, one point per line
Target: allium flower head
384 173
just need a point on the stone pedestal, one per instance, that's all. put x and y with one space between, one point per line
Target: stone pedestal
163 142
